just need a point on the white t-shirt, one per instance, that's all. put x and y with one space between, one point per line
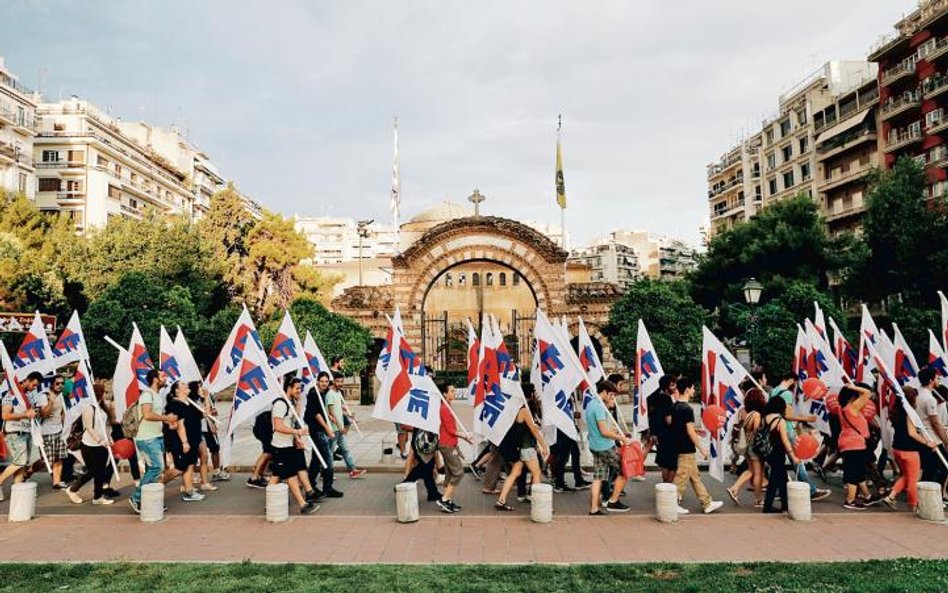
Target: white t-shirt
281 409
93 424
925 406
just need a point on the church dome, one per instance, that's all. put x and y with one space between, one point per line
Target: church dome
446 210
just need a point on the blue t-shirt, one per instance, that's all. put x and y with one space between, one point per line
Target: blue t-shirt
596 411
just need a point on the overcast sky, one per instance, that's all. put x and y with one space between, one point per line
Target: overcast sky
294 100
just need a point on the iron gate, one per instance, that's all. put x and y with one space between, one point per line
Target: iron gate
520 339
434 340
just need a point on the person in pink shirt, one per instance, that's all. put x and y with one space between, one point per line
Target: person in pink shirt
852 444
448 447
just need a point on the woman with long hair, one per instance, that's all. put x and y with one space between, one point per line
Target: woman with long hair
780 449
748 423
526 438
854 431
94 449
906 444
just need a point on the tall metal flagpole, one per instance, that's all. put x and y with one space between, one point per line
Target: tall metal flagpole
396 179
560 183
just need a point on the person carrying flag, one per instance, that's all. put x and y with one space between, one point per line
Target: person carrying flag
603 434
149 439
17 421
933 470
289 457
340 422
52 428
322 433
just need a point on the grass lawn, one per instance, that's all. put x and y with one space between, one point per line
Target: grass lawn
915 576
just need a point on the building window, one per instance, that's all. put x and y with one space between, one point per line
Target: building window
801 117
50 156
787 152
770 136
772 186
490 279
804 144
115 193
516 279
447 280
771 161
785 128
503 279
804 171
758 193
22 183
475 279
59 127
48 184
788 179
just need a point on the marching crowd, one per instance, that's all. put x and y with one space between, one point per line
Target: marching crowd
172 433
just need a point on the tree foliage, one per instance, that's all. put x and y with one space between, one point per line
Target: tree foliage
671 317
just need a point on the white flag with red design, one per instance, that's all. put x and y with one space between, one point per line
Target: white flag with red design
589 360
35 354
937 359
647 372
395 329
190 371
71 345
713 354
558 377
226 368
408 395
904 366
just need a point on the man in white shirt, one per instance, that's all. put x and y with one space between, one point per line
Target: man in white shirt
17 424
926 406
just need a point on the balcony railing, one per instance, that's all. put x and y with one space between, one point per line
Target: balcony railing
16 85
905 68
7 150
935 85
901 104
840 179
73 194
940 48
902 138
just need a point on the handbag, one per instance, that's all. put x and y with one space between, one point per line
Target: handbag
632 460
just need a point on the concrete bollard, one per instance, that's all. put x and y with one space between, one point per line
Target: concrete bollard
541 503
153 503
388 448
798 503
666 503
278 503
22 502
406 502
930 507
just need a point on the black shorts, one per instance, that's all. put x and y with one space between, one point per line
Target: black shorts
210 439
854 466
667 457
182 460
287 461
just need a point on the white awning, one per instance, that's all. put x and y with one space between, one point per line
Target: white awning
846 124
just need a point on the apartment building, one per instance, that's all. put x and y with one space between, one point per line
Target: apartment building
609 261
779 161
17 129
846 152
913 92
655 256
336 240
675 258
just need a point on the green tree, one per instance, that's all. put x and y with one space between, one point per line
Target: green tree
672 318
785 241
136 297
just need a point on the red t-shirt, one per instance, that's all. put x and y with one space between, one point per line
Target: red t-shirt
448 435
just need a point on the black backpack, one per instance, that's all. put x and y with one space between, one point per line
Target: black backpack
762 444
263 427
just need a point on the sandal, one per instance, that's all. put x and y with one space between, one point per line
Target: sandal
733 496
503 506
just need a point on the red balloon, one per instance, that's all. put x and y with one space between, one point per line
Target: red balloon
813 388
123 449
806 447
832 403
713 417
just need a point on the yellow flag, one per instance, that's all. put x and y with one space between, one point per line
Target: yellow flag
560 182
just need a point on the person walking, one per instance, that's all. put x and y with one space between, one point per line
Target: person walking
688 443
52 430
289 459
340 422
527 438
450 454
183 441
778 441
660 405
17 424
603 434
149 439
852 444
784 389
906 444
926 405
321 431
748 422
96 438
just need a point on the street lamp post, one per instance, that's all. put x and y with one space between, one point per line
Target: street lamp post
362 229
752 291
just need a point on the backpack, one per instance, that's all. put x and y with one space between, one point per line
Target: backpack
74 440
762 444
263 427
131 420
426 442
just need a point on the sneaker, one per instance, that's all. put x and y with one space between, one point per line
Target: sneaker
455 506
819 494
564 488
889 503
102 500
209 487
111 493
356 474
258 483
310 508
637 478
616 507
193 496
584 485
715 505
598 513
524 498
59 486
872 500
683 511
444 505
333 493
134 505
315 496
220 476
74 496
856 505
